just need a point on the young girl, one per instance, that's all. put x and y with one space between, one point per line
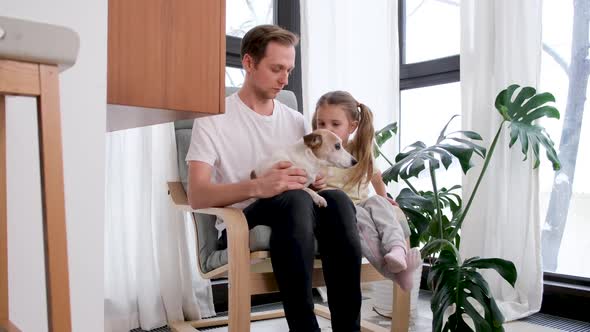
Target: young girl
379 219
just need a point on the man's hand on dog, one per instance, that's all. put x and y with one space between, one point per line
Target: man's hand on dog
279 179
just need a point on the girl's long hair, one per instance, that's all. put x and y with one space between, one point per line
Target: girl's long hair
361 145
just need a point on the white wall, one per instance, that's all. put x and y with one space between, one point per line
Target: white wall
83 100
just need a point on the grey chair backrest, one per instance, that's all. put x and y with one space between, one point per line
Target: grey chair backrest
209 256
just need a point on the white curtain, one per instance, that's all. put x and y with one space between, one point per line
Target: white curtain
150 263
353 46
501 45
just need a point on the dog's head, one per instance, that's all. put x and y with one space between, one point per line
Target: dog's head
327 147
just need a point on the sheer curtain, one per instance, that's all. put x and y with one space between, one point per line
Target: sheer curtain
353 46
150 265
501 45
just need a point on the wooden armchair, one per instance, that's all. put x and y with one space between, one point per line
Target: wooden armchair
246 261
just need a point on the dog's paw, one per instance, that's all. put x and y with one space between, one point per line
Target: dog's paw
320 201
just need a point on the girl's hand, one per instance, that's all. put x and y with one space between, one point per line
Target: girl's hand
320 182
390 200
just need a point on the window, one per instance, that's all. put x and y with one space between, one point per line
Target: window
234 76
565 195
417 105
428 68
431 29
424 82
242 15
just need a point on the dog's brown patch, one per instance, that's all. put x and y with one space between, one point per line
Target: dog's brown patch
313 140
252 175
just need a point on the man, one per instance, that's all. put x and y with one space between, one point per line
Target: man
225 148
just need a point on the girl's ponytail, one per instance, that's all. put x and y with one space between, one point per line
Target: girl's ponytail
361 147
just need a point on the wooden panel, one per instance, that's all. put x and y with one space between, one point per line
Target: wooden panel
137 52
52 191
166 55
196 54
19 78
222 51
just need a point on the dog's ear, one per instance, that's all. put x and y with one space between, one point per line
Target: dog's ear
252 175
312 140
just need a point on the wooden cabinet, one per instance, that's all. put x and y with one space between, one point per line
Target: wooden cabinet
166 61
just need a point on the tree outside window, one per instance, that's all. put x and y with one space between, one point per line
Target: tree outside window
565 195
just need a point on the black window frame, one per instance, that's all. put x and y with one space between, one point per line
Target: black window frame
426 73
423 74
563 295
286 15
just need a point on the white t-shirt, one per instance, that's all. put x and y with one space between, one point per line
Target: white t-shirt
233 143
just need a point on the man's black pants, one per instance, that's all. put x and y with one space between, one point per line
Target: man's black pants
295 220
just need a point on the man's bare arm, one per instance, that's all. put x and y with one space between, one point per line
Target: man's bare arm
203 193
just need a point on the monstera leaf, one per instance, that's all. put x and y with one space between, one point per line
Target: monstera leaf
420 211
383 135
461 286
411 162
526 108
447 197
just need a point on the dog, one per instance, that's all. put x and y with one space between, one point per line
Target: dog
316 150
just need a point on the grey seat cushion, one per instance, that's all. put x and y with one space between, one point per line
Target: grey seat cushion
210 257
29 41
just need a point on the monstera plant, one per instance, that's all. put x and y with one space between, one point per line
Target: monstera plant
436 216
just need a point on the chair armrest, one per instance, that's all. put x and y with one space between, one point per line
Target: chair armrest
238 236
178 196
180 201
227 214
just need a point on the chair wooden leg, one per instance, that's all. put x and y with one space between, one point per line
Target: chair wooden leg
52 191
239 274
400 317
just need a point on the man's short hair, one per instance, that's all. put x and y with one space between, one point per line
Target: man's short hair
256 40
